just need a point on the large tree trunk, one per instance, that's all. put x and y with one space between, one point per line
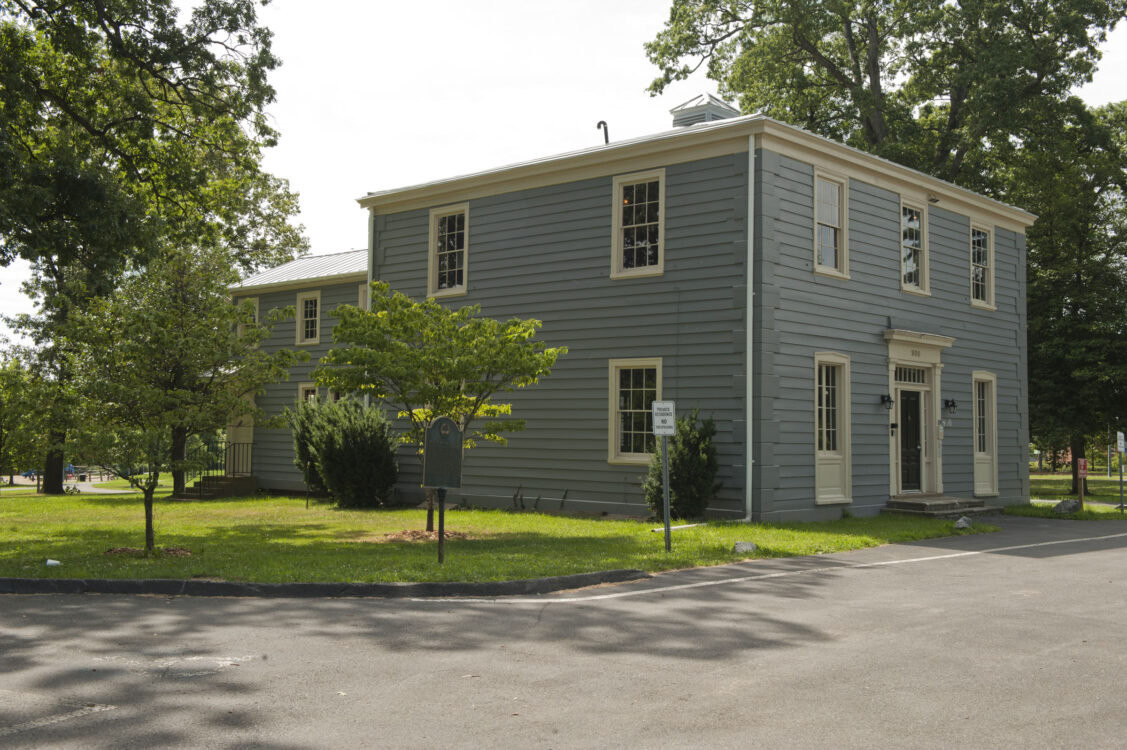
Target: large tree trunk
1077 447
179 448
53 466
149 519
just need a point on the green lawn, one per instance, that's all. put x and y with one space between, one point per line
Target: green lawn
278 540
123 484
1092 511
1057 486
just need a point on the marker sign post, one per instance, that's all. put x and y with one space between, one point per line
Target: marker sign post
1081 478
665 425
1122 448
442 467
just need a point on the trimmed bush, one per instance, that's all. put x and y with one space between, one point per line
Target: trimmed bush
692 470
348 449
303 423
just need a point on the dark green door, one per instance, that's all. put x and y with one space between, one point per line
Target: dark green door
910 444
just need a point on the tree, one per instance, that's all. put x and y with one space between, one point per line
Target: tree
20 437
123 132
926 83
424 360
1071 170
166 352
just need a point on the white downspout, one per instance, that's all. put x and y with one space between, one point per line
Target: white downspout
749 367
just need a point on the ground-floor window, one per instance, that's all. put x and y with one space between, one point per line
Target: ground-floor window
985 431
833 472
634 385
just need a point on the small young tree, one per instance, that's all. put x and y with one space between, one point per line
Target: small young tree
346 448
165 353
692 470
424 360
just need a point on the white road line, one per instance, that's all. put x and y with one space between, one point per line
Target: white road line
91 708
756 577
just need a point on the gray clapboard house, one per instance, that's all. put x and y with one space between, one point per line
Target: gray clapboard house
314 286
879 311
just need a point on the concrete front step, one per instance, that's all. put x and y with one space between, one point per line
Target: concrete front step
938 506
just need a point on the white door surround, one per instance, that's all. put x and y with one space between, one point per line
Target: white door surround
914 382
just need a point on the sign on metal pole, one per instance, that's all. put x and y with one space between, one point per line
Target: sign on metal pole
665 424
665 418
1082 468
1122 442
442 467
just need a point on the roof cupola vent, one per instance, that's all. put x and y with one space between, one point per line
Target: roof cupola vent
702 108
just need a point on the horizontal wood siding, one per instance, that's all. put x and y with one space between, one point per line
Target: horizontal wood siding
273 455
799 313
545 254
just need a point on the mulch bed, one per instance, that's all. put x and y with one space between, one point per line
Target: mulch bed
165 551
415 535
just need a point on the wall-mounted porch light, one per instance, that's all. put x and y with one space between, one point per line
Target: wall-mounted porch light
887 402
951 405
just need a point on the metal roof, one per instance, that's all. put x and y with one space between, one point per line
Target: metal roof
309 268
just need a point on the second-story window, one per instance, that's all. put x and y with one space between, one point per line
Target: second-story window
309 318
830 249
639 225
913 249
981 279
447 266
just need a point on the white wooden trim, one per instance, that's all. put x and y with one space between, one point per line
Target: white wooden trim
299 333
925 351
613 366
616 269
841 460
362 297
432 251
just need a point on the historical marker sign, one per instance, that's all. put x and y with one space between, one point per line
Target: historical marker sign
1082 468
442 454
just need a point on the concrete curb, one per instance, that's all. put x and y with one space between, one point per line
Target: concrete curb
167 587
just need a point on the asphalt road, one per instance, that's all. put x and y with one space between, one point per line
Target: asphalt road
1008 640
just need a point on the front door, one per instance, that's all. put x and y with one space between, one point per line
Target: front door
911 442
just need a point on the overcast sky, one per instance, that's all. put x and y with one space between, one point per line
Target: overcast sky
372 95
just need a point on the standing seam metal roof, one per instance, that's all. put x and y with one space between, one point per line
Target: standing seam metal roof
308 268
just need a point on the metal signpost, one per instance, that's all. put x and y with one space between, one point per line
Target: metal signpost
442 467
1121 449
665 425
1081 476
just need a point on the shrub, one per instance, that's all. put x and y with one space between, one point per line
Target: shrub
349 451
303 423
692 470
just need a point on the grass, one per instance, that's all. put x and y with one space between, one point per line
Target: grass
1093 511
278 540
1057 487
123 484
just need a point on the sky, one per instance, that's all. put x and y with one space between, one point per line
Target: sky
371 96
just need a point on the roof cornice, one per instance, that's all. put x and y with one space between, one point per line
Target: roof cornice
312 281
701 141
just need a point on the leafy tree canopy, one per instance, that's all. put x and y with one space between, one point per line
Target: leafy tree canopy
927 83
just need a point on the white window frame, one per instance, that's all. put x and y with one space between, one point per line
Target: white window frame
243 326
299 335
303 389
362 300
991 269
991 437
617 271
614 455
841 271
432 251
843 456
924 287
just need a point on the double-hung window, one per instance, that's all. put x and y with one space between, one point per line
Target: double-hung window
832 456
830 225
634 385
448 257
981 270
309 318
913 249
306 392
638 246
